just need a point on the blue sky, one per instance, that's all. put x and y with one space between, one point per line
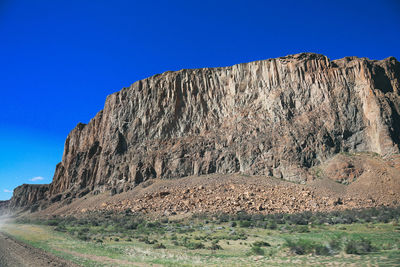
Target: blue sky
60 59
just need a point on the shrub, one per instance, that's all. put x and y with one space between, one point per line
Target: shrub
359 247
159 246
322 250
257 250
60 228
301 229
215 246
53 222
300 247
194 245
83 237
272 225
261 244
131 225
335 245
245 224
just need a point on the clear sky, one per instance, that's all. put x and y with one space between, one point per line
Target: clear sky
60 59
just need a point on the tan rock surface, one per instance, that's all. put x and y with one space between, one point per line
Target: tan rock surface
276 117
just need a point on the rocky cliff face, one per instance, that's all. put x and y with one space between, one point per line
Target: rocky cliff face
28 194
275 117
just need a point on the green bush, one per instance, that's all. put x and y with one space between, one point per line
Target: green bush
359 246
245 224
215 246
159 246
301 229
53 222
303 246
272 225
194 245
322 250
335 245
255 250
300 247
60 228
261 244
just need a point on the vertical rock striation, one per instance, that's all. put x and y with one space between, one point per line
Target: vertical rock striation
275 117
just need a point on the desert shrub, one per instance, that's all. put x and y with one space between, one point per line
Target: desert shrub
300 247
245 224
243 216
359 246
194 245
261 244
322 250
257 217
255 250
299 219
159 246
272 225
301 229
153 224
60 228
335 245
83 237
84 230
279 218
261 224
223 217
131 225
53 222
149 242
215 246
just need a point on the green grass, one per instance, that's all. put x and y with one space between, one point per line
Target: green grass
213 240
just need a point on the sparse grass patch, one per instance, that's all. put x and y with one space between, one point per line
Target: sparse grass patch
287 239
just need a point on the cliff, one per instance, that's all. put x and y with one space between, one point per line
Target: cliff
276 117
28 194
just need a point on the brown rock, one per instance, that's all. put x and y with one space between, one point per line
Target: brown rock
276 117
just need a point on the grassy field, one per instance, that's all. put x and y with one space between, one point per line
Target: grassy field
286 240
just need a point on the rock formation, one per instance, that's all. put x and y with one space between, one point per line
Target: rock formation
275 117
28 194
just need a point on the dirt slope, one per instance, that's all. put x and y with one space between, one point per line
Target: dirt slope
375 182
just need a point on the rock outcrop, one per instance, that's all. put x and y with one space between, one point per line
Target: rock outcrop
27 195
276 117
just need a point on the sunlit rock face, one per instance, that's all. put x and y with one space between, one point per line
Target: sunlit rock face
28 194
275 117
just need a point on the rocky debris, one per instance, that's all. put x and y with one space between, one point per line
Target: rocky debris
276 117
344 169
232 193
232 198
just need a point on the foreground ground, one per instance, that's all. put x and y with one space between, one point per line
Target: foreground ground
17 253
347 214
353 238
